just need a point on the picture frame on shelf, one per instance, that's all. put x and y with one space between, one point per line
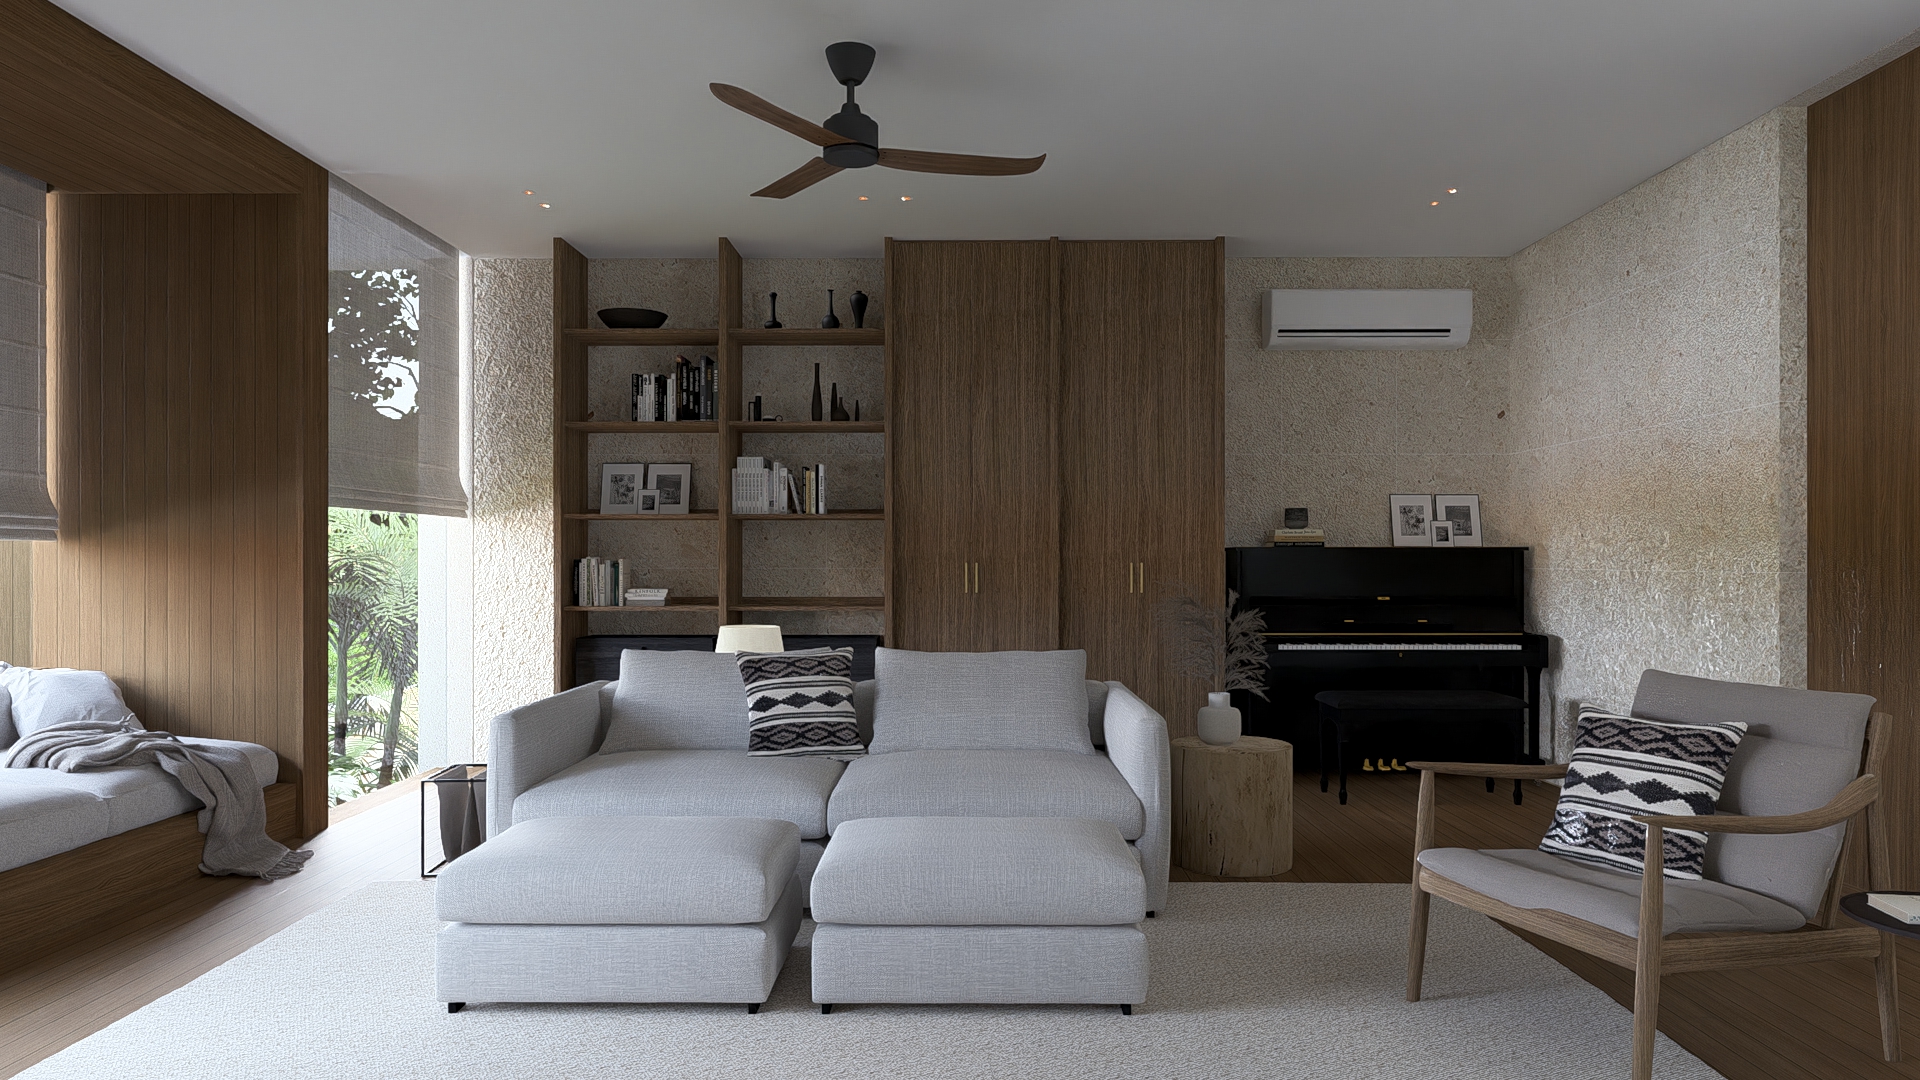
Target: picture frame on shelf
1410 518
649 501
673 483
620 485
1440 531
1462 512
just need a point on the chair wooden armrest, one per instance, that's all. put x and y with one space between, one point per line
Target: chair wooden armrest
1852 799
1492 771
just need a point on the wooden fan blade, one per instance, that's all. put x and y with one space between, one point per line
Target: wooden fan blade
799 179
761 109
958 164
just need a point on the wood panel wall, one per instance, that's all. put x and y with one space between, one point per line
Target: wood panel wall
1863 416
16 602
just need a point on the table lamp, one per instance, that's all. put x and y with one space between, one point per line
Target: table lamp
746 637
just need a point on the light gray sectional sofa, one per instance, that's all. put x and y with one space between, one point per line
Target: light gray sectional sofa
950 734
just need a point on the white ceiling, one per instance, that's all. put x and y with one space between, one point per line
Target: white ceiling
1293 128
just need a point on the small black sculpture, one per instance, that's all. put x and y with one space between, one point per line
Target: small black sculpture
839 407
816 393
858 302
830 321
753 411
773 311
856 408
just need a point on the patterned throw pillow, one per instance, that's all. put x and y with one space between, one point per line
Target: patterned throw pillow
1623 766
801 703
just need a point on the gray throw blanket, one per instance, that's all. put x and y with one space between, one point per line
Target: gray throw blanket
234 814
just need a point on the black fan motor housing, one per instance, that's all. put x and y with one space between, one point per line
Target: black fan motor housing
853 124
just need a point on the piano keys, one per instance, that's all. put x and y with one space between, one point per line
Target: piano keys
1390 619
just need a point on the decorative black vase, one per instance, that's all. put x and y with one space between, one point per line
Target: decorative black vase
816 393
773 311
856 408
839 407
829 321
858 302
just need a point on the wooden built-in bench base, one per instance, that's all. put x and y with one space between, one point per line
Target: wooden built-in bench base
64 898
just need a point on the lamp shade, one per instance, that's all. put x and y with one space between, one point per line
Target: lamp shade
745 637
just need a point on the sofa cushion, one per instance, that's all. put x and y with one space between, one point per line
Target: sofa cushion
980 701
38 820
7 734
43 697
623 871
986 783
1611 898
800 703
688 783
136 795
677 701
950 871
1623 767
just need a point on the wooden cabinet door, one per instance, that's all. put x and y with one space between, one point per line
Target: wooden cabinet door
1142 494
972 418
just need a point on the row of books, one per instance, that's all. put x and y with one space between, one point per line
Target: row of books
601 582
1298 538
688 392
764 486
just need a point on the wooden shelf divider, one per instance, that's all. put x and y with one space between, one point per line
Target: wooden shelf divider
667 336
793 335
696 515
643 427
810 603
811 427
674 603
836 515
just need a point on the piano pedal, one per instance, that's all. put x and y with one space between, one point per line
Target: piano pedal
1366 764
1397 767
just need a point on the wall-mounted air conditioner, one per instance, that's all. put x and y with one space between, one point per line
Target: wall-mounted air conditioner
1368 318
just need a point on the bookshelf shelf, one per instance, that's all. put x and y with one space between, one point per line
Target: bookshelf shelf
810 427
644 427
811 603
804 336
837 515
576 333
692 338
697 515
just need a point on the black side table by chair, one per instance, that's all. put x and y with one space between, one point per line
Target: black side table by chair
1348 712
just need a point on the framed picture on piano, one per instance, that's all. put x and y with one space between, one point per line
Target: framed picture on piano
1462 514
1411 517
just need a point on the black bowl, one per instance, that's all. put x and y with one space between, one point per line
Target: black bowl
632 318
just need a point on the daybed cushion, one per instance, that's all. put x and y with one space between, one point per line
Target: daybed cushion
677 701
136 795
945 871
986 783
980 701
688 783
1529 878
43 697
626 871
37 820
7 734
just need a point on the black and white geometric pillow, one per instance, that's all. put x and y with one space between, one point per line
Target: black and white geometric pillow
801 703
1623 766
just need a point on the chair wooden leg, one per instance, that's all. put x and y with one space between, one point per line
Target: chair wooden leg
1646 1012
1886 979
1417 937
1646 962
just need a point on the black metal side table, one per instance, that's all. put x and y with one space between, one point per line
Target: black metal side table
462 791
1855 906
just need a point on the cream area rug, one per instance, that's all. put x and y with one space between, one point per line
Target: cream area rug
1247 980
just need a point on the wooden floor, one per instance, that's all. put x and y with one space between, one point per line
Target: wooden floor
1814 1021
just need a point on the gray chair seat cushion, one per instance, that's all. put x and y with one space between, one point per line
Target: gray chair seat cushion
38 820
623 871
986 783
1530 878
952 871
688 783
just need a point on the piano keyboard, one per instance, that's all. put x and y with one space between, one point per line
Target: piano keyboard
1393 646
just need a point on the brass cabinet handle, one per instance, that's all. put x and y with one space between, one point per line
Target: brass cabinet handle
976 578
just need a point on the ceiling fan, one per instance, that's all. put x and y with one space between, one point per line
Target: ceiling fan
850 139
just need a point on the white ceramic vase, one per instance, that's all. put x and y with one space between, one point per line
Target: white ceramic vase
1219 721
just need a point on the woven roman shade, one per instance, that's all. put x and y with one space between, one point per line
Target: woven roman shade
393 371
26 512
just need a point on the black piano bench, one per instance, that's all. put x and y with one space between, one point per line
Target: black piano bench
1350 711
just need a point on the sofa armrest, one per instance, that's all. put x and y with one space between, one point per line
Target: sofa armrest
1137 746
529 744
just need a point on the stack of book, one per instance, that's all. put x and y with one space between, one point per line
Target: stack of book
1298 538
764 486
600 582
646 598
688 392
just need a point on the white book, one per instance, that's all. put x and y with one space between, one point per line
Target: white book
820 486
1903 907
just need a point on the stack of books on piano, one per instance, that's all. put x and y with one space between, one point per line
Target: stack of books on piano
1298 538
646 598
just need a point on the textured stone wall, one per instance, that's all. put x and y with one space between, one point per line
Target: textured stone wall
1659 457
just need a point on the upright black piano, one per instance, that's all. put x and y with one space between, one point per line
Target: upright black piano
1387 618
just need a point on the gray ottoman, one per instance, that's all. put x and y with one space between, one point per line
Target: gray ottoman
620 909
979 910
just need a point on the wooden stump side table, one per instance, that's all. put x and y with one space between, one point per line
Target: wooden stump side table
1233 807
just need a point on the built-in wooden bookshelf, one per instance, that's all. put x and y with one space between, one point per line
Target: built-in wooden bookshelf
575 333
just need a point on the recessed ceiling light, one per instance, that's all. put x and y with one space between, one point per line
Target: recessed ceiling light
549 206
1435 202
1453 191
906 198
863 198
526 192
